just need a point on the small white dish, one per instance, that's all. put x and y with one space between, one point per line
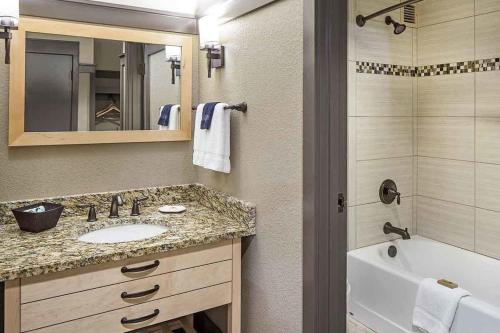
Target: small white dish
172 209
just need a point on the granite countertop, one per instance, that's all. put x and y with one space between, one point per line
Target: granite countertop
212 218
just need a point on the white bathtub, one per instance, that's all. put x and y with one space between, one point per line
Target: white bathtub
383 289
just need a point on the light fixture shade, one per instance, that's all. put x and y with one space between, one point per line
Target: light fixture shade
9 13
209 31
173 52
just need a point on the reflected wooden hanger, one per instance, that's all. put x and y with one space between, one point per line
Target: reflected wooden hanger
112 107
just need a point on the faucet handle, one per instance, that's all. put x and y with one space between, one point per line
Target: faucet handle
92 216
136 205
118 198
389 191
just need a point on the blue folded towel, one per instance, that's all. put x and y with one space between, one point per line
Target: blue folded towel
208 113
165 114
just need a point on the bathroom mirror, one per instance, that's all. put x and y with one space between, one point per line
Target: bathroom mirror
74 83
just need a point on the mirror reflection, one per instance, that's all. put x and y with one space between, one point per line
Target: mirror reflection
89 84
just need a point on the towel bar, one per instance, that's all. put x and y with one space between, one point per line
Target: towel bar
242 107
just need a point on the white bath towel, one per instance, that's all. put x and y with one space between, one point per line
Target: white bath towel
436 306
211 147
174 121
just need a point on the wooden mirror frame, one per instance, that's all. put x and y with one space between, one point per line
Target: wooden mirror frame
17 135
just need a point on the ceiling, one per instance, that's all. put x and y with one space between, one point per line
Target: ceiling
225 9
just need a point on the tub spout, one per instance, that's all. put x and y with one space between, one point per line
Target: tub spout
390 229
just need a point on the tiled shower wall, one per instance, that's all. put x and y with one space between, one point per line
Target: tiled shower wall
381 124
424 110
458 182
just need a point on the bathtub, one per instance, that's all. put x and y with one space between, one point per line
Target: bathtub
383 289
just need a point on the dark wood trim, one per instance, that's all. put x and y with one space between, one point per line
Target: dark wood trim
101 74
325 165
337 13
108 15
92 103
149 49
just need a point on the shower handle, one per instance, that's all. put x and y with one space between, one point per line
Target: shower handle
389 191
397 194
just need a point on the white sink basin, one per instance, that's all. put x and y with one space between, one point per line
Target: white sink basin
123 233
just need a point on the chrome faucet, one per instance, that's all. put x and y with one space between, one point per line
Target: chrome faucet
390 229
116 201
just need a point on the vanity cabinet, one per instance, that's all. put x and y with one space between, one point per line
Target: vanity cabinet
127 295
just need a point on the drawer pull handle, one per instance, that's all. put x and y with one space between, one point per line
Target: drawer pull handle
141 268
142 293
126 321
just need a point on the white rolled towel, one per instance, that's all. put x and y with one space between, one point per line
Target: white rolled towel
436 306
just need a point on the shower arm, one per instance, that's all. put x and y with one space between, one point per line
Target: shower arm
361 20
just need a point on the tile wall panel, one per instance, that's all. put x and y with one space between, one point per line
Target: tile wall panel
446 42
488 140
488 186
488 232
488 94
446 137
384 137
446 222
446 95
450 180
383 95
439 11
487 6
487 36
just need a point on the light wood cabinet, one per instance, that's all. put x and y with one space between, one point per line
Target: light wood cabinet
127 295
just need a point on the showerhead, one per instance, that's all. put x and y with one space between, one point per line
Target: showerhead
398 27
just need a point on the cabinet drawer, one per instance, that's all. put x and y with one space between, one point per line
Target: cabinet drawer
168 308
75 280
59 309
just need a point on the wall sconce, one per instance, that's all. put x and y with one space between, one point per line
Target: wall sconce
9 20
210 41
173 55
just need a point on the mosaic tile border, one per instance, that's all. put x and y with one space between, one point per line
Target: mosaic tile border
384 69
473 66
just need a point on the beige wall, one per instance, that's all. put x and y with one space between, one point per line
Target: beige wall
459 126
48 171
380 126
264 68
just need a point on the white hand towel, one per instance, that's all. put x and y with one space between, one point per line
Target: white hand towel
174 121
436 306
211 147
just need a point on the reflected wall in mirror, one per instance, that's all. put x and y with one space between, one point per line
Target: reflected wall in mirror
78 83
92 84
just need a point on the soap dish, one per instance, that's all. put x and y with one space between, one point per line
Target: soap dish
38 217
172 209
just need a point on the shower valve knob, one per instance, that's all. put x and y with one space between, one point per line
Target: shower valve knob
389 191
